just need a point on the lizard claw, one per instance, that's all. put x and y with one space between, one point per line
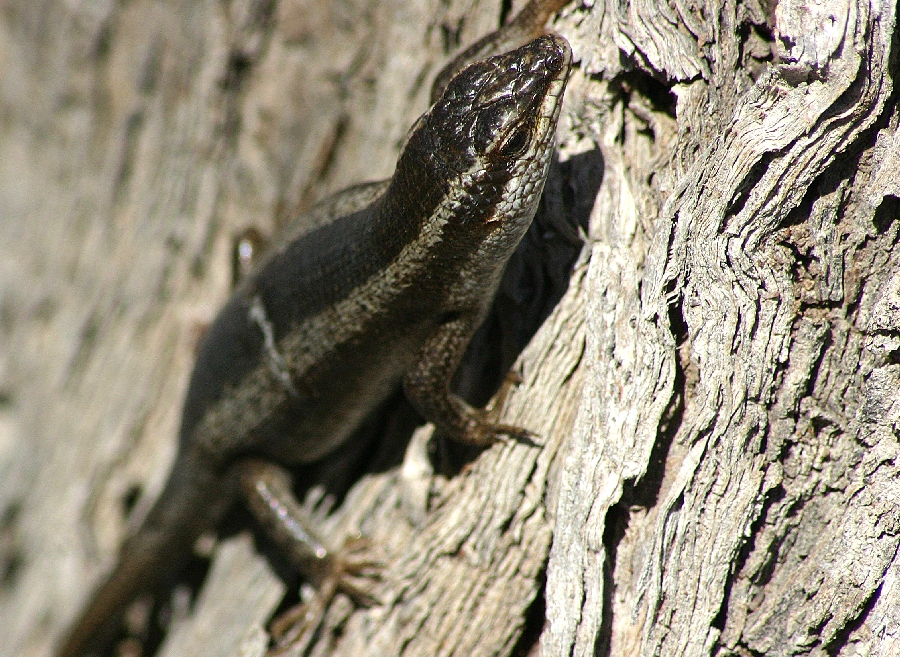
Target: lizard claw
486 431
355 572
516 434
352 571
485 434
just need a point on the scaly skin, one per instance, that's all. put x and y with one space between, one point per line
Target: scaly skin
329 325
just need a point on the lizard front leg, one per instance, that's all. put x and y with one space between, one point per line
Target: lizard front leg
427 386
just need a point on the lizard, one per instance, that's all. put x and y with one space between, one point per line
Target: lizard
386 291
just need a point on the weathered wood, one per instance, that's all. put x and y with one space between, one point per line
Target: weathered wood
716 395
768 518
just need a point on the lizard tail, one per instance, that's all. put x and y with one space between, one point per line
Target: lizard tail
190 504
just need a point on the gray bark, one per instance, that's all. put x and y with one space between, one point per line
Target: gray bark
716 395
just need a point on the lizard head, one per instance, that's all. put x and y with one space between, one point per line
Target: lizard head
502 110
477 160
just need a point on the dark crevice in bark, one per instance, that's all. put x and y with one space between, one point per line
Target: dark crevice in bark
645 492
535 619
755 42
847 105
657 93
772 499
892 357
798 216
323 164
237 69
505 11
87 342
101 44
747 184
617 519
831 178
130 499
886 214
11 556
876 255
816 263
247 45
133 128
826 342
840 640
151 69
450 36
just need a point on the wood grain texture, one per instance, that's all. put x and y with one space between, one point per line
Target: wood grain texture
747 535
716 394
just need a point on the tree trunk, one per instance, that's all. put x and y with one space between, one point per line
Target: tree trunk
715 393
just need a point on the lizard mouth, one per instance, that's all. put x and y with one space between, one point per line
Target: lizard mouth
555 56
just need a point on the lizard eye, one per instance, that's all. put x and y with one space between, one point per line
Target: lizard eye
515 143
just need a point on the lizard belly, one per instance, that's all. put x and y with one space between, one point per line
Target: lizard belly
335 397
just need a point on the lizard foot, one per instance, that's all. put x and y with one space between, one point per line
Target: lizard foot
351 571
485 430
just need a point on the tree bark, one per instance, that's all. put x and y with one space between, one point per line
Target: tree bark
714 386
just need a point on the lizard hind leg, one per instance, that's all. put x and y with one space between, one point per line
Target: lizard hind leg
267 489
